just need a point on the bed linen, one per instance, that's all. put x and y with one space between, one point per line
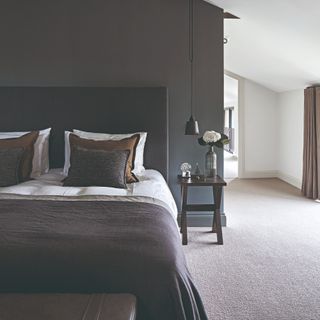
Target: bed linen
94 244
151 185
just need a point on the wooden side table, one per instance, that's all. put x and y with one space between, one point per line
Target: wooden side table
216 183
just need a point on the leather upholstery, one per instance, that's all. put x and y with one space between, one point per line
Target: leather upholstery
67 307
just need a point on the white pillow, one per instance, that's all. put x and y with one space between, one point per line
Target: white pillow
138 162
66 153
40 161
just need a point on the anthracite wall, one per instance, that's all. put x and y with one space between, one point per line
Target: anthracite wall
119 43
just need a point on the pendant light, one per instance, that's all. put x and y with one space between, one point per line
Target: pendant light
192 127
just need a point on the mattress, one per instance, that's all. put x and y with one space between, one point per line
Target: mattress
151 187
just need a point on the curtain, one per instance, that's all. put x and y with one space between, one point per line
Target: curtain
311 150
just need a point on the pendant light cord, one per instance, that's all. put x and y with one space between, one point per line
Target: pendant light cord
191 49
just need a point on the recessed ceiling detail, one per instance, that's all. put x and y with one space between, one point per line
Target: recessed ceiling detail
228 15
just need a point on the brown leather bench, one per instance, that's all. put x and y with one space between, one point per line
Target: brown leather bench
67 307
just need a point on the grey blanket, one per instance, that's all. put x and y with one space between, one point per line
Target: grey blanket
92 247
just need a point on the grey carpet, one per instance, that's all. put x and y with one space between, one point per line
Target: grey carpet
269 266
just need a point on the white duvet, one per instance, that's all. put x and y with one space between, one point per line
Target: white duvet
151 185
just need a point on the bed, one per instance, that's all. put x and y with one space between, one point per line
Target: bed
151 187
56 239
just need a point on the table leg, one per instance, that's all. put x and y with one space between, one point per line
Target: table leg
217 195
184 215
181 197
214 223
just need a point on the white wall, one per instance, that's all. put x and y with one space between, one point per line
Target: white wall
258 127
231 98
290 136
271 132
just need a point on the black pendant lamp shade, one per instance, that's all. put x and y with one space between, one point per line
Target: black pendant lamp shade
192 127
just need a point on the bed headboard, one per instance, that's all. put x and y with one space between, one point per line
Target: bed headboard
97 109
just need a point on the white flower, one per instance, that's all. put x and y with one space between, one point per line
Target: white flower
211 136
185 167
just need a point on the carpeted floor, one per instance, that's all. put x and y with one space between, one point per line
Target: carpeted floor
269 266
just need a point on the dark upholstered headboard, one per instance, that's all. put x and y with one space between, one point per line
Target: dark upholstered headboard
97 109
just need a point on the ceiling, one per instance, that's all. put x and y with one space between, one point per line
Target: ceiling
275 43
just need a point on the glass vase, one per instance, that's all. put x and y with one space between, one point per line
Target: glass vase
211 163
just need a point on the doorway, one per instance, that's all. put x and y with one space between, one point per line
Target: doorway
231 127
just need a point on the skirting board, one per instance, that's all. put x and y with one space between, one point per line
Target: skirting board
202 219
259 174
273 174
290 179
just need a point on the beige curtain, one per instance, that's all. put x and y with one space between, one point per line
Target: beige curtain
311 151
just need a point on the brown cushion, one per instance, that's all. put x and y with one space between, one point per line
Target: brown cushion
110 145
26 142
9 166
99 168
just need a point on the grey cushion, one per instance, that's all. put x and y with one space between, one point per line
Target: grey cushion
97 168
67 307
9 166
